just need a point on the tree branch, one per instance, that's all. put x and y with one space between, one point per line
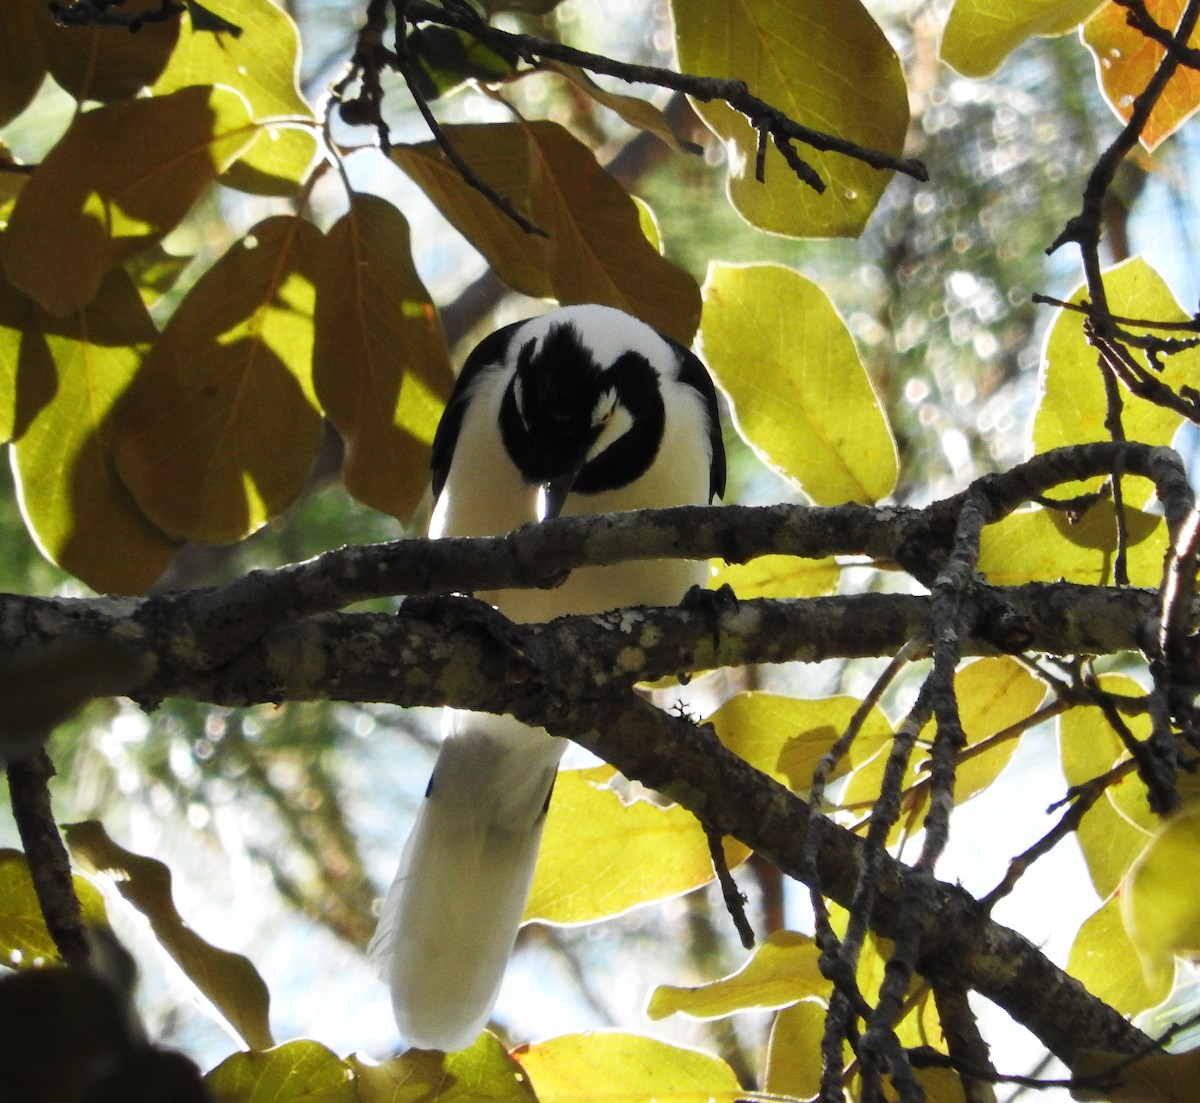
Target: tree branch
761 115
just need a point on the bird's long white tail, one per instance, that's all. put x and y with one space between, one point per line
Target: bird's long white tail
451 916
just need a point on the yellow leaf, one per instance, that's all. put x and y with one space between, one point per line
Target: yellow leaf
828 66
119 179
595 252
1156 1078
624 1068
786 736
295 1072
794 1051
1161 913
634 853
379 363
993 695
1126 60
1105 960
800 395
25 941
261 63
21 59
781 971
74 504
482 1073
778 576
1110 840
220 427
1043 545
1073 407
229 981
95 62
940 1085
980 34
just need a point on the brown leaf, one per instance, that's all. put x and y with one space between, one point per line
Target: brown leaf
633 109
103 62
228 980
21 59
595 252
1126 60
220 427
379 363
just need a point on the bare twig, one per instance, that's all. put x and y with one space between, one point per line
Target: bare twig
735 899
49 865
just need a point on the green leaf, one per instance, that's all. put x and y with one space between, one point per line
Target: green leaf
637 852
1048 545
21 59
482 1073
106 63
295 1072
379 363
73 371
220 427
980 34
1105 960
828 66
25 942
119 179
229 981
801 397
595 252
625 1068
787 736
155 272
444 58
1162 920
781 971
261 64
1073 407
27 380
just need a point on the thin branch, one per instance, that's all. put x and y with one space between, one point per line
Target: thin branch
1140 19
1082 798
762 116
49 865
735 899
83 13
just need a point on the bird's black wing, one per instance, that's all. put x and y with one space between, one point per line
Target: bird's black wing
488 352
693 372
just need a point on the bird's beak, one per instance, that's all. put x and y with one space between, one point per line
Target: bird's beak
553 494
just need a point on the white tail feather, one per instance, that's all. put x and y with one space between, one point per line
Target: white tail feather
451 916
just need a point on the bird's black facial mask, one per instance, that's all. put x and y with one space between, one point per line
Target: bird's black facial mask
562 405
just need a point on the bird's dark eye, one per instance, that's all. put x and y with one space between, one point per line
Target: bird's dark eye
604 409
